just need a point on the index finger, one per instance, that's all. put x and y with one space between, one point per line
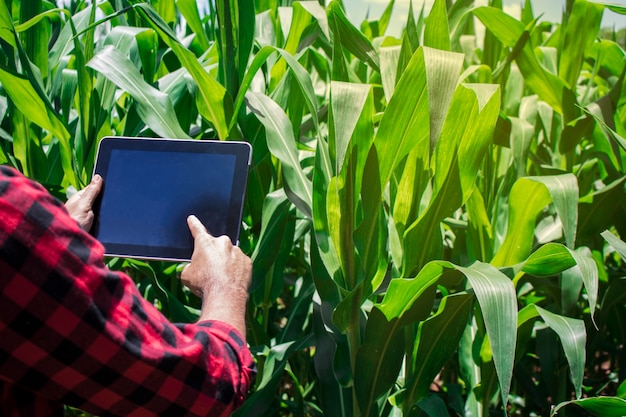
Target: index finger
195 226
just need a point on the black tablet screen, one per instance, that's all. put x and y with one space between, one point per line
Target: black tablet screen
149 193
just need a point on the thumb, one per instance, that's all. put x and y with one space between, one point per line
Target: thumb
90 192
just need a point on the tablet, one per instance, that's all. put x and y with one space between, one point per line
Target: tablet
151 186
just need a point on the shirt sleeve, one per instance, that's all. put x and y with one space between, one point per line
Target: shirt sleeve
73 331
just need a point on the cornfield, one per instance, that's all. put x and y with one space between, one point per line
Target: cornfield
436 220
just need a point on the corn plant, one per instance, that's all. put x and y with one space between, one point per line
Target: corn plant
434 220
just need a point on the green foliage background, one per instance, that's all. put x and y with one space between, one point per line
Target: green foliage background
434 220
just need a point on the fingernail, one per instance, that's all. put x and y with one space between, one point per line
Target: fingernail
96 179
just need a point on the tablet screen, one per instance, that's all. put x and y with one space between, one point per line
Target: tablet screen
152 185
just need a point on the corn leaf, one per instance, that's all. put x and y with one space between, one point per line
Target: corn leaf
153 106
498 303
573 337
580 33
436 31
282 144
303 14
564 192
405 302
321 180
303 79
389 59
597 406
618 245
513 34
528 197
276 209
350 38
6 26
550 259
405 123
189 9
212 99
431 351
464 139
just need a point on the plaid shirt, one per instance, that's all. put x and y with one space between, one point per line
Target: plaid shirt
73 332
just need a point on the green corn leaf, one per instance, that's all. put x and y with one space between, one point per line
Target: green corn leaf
321 180
433 406
480 232
578 268
64 43
498 303
385 17
405 302
370 236
550 259
282 144
31 101
189 9
405 123
235 38
350 137
513 34
86 135
436 31
599 209
303 13
442 74
618 245
33 20
596 111
526 200
522 134
349 37
340 205
412 31
573 337
410 300
6 26
275 362
212 99
564 192
437 339
580 33
389 59
585 271
400 300
597 407
276 211
412 186
347 102
528 197
303 79
154 107
373 381
465 136
332 364
27 99
27 94
319 14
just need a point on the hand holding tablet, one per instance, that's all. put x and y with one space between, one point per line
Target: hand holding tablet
151 186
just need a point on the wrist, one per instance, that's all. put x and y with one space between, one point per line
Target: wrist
228 307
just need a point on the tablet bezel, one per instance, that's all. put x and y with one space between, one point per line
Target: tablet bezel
242 152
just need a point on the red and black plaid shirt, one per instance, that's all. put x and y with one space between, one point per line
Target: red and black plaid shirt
73 332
